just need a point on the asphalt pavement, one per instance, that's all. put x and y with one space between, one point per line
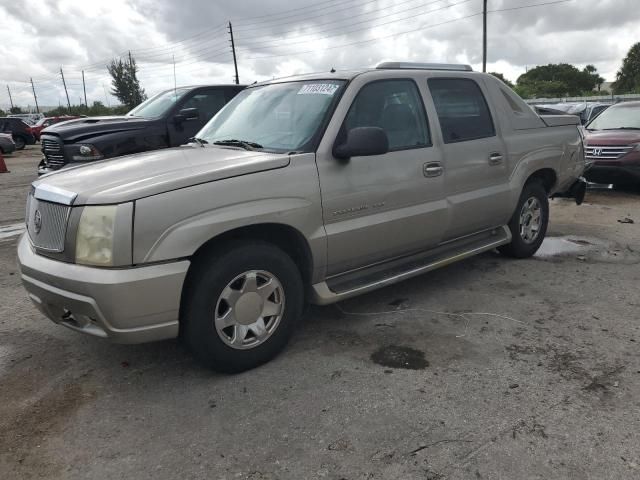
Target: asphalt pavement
490 368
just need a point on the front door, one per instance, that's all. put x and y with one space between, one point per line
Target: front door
383 206
207 102
476 180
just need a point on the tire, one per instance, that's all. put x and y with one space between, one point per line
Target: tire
221 291
20 142
525 242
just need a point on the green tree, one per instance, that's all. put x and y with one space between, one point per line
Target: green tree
500 76
558 80
3 113
95 110
628 77
593 71
15 110
124 81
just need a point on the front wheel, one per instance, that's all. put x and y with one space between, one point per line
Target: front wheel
241 306
528 225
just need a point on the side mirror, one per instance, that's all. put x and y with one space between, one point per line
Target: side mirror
362 141
186 114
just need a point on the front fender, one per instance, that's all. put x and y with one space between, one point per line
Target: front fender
176 224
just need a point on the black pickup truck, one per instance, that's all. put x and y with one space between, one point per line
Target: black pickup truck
168 119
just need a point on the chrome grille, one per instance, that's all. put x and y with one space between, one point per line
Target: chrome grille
607 152
53 153
53 224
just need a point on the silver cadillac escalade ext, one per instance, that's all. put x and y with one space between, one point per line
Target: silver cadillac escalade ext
313 188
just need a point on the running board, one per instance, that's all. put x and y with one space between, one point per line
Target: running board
350 284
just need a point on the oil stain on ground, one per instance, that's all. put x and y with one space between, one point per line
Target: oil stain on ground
395 356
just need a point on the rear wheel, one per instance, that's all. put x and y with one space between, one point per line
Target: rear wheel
528 225
241 306
20 142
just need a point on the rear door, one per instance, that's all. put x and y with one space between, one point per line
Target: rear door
208 102
476 178
382 206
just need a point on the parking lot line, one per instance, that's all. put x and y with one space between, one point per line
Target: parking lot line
8 231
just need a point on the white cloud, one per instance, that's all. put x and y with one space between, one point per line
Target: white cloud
279 38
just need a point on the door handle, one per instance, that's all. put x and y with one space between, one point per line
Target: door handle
432 169
495 159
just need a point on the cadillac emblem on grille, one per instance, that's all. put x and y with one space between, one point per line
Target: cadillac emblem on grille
37 221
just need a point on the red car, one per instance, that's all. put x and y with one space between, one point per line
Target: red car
613 145
48 121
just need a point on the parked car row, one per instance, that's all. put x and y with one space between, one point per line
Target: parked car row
586 111
313 188
19 130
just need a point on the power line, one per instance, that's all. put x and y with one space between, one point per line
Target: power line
342 31
344 18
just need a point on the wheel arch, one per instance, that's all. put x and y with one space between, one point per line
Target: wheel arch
547 176
290 240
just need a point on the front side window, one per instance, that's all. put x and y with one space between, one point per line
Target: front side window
279 117
394 106
208 102
462 109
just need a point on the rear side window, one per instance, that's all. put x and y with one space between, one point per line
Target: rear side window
397 108
462 109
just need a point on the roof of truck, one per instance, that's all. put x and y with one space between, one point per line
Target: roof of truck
349 74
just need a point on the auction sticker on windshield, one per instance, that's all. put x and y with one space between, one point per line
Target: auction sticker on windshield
318 89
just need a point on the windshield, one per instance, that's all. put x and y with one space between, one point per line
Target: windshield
158 105
280 117
617 117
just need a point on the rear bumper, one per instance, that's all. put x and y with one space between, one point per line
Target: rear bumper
620 174
133 305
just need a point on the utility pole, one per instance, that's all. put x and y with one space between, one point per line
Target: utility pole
175 84
84 87
10 99
34 96
484 36
233 49
65 90
106 97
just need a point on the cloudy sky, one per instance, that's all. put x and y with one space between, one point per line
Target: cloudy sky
279 37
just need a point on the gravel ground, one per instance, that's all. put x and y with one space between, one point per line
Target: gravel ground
487 369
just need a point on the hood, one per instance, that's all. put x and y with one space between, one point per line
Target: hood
81 128
131 177
612 137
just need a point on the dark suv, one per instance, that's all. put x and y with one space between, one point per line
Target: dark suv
20 131
168 119
613 145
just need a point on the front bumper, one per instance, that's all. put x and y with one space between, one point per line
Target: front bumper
131 305
616 174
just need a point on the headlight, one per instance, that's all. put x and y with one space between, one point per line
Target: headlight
94 240
86 152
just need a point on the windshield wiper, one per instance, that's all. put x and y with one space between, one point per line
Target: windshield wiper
622 128
239 143
200 141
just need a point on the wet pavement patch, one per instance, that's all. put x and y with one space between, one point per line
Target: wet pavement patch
395 356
